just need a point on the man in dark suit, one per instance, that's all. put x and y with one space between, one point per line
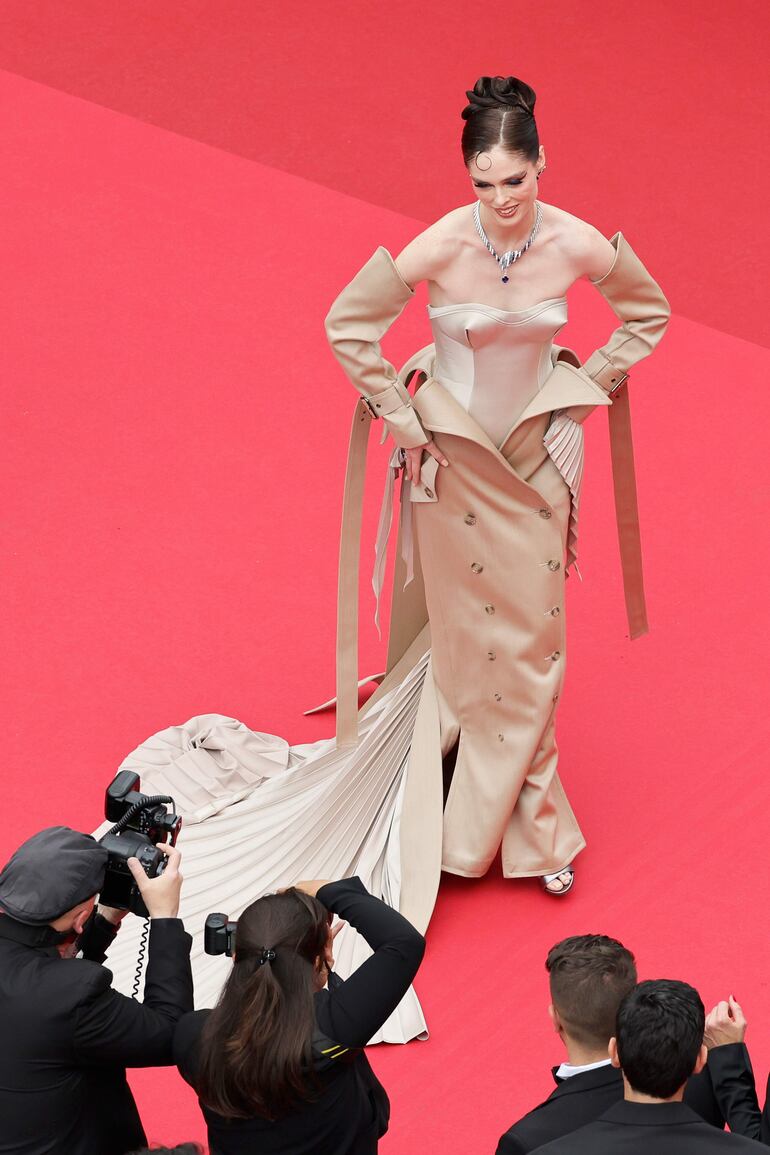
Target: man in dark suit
67 1037
589 977
658 1047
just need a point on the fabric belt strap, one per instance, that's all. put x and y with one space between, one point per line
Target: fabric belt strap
626 512
347 579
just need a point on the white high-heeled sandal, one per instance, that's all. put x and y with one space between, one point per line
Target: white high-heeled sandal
545 879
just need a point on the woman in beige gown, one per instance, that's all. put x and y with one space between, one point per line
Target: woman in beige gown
491 447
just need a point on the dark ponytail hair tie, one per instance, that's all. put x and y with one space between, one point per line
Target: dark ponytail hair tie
268 955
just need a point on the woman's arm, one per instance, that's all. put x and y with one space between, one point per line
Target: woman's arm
355 324
355 1009
360 317
635 298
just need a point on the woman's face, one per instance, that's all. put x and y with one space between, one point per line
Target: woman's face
506 182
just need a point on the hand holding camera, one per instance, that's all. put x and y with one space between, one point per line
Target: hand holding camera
144 832
160 894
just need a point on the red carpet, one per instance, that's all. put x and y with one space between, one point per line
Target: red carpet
652 115
174 435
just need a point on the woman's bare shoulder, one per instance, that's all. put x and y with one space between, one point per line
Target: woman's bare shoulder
586 248
425 257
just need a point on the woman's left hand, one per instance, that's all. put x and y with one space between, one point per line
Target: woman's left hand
413 459
313 887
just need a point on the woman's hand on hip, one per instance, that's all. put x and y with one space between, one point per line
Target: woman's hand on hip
413 459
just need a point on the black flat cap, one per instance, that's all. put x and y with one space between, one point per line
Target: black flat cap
50 873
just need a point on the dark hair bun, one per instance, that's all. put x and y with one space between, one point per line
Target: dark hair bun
499 92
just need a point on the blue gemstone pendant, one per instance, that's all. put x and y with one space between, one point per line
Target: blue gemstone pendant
505 280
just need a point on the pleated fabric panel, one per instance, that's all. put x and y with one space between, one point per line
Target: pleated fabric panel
565 442
260 815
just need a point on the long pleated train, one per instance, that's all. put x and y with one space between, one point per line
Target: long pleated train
260 814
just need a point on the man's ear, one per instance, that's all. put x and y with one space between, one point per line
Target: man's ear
701 1061
612 1051
82 914
75 919
553 1015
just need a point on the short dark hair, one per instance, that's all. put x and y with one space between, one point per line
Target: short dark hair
590 976
659 1035
500 111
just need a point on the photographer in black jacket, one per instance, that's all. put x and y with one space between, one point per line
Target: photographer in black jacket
279 1064
67 1037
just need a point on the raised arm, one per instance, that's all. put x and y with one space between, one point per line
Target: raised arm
111 1028
729 1068
352 1011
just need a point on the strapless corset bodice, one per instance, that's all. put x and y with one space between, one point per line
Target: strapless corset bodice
494 361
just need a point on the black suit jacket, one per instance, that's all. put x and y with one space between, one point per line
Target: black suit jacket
66 1038
662 1128
723 1092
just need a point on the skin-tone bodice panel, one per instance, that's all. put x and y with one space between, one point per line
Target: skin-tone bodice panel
493 361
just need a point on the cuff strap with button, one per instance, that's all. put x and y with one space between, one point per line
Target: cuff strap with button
604 373
394 405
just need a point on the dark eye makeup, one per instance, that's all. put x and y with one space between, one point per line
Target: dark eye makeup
483 184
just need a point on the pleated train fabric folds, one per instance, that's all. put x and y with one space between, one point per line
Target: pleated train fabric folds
276 814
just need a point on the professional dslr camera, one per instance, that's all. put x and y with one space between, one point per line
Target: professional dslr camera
141 821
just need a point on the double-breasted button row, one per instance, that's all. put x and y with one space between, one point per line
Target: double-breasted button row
477 568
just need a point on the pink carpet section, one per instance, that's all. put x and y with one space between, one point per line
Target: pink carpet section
653 115
173 451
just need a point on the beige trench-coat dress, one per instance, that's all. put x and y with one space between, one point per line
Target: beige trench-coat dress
371 804
494 534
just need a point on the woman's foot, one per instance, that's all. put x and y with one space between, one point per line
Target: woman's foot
560 883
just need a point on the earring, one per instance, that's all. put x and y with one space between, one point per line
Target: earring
542 170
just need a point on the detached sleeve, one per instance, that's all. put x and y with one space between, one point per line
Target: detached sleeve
356 322
111 1028
355 1009
636 299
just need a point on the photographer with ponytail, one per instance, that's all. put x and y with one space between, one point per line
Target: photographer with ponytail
278 1065
491 444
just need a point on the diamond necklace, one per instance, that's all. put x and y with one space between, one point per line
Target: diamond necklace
509 258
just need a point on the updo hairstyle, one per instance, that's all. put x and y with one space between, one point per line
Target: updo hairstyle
500 111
